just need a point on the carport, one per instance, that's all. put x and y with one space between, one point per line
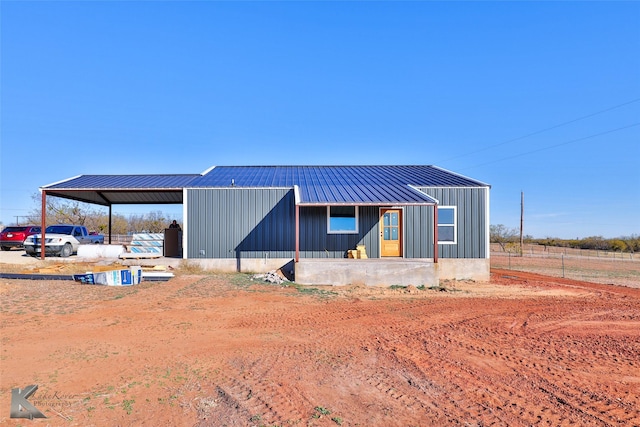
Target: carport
109 190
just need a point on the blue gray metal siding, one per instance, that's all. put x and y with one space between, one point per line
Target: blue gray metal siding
315 242
257 223
471 224
240 223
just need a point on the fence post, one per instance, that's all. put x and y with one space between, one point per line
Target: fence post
563 266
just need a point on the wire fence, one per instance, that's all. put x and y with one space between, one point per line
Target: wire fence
579 264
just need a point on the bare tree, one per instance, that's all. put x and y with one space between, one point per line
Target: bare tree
502 235
62 211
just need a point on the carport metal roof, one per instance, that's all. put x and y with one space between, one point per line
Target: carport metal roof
109 190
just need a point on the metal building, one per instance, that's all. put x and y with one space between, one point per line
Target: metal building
414 224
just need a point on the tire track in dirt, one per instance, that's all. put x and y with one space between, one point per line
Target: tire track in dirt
330 358
224 353
473 339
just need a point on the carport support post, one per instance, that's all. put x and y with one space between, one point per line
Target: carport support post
43 221
435 234
109 224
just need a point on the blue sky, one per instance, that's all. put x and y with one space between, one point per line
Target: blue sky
534 97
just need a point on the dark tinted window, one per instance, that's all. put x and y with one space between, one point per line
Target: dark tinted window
59 229
14 229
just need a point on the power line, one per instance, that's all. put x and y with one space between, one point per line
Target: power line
542 130
555 145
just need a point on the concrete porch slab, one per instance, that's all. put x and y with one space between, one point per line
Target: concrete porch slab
370 272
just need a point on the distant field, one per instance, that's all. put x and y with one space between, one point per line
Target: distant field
587 265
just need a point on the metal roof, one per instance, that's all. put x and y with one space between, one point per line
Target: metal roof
341 184
317 184
122 189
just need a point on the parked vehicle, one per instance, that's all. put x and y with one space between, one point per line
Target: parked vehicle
62 240
14 236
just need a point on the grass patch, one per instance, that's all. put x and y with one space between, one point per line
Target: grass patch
241 280
127 405
306 290
187 267
321 410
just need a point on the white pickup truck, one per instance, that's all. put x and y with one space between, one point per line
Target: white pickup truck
62 240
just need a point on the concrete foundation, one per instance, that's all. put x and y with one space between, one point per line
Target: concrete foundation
370 272
464 269
244 265
346 271
388 272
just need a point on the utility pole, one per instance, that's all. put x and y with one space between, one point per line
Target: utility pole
18 218
521 221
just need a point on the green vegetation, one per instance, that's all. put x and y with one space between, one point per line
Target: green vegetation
127 405
509 241
630 244
321 410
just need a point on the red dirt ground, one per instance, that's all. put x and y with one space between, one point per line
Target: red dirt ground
220 350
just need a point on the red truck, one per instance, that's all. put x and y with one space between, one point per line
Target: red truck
14 236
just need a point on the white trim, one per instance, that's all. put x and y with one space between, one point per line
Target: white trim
455 225
415 188
44 187
208 170
185 224
460 175
487 226
296 195
357 230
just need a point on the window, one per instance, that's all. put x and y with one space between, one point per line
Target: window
342 219
447 225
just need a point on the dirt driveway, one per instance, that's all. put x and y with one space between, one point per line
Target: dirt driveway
221 350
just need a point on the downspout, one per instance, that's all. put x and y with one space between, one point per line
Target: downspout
43 221
435 234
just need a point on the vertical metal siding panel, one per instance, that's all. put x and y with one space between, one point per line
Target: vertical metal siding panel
471 204
315 242
370 218
408 232
253 207
467 196
473 223
241 222
482 221
413 232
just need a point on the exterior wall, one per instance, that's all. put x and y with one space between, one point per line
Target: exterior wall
237 223
240 223
315 242
472 224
